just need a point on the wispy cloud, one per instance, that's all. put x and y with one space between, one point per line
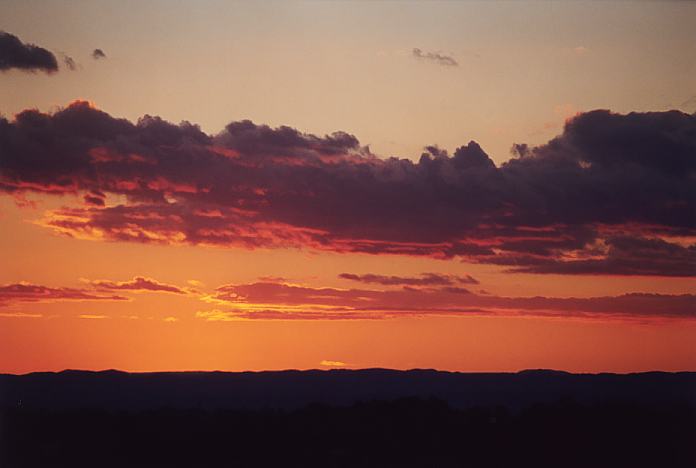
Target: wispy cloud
98 54
435 57
328 363
425 279
69 62
20 315
137 284
27 292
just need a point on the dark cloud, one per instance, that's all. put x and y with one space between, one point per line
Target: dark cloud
27 292
624 256
613 194
98 54
95 197
440 59
28 57
288 302
139 284
425 279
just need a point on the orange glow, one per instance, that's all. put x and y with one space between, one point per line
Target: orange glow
163 331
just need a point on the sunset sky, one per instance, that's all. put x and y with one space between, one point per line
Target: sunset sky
245 186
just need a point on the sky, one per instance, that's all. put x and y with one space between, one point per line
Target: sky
465 186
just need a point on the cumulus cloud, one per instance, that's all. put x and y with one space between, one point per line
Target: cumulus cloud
15 54
425 279
277 301
613 194
435 57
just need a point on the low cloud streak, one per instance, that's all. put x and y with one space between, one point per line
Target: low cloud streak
279 301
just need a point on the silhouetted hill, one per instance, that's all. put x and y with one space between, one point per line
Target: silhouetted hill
291 389
344 418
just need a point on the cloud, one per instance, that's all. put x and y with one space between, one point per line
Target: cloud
613 194
272 279
623 256
283 301
235 315
19 315
328 363
93 316
214 315
277 301
95 197
440 59
137 284
98 54
425 279
27 57
69 62
27 292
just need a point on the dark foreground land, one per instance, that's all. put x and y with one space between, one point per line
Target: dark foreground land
377 418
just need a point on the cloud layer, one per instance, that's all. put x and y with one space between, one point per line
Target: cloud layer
99 290
282 301
279 300
28 57
613 194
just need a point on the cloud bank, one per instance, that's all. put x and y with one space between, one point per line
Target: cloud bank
613 194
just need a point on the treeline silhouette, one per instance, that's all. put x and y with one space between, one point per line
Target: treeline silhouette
410 432
366 418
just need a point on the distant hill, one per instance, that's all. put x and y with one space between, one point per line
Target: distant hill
347 418
292 389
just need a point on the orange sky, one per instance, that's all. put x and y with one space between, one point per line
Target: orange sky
132 241
142 335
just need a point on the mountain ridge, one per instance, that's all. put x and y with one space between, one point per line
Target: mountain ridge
292 389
